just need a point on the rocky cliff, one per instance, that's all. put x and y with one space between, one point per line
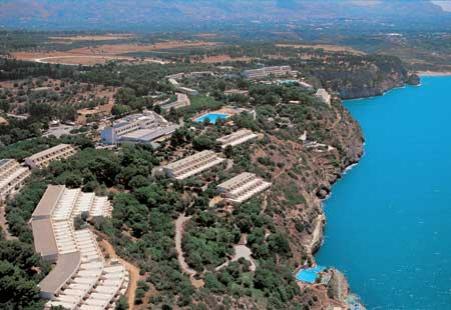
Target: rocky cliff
310 154
364 76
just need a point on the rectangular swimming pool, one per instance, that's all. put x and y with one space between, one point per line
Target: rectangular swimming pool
212 117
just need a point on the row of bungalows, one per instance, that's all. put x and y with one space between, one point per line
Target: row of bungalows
12 177
82 279
192 165
142 128
242 187
236 138
44 158
202 161
13 174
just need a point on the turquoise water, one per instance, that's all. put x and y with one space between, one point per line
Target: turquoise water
389 218
212 117
309 275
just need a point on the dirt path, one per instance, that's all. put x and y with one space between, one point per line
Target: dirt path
179 230
132 270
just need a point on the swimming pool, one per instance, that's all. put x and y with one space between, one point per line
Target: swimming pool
212 117
309 275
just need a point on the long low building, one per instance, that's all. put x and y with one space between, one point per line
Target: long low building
44 158
138 128
267 71
12 177
236 138
193 165
242 187
81 279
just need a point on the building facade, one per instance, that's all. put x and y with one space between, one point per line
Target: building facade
12 177
242 187
82 278
44 158
138 128
267 71
192 165
236 138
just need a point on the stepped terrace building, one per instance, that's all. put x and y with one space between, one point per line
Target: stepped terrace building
193 165
236 138
12 177
44 158
267 71
242 187
82 279
138 128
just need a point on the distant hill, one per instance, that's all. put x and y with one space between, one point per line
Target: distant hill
159 14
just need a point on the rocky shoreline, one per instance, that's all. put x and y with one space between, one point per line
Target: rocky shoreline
324 192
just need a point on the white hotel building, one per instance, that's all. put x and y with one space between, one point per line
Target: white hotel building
44 158
12 177
82 279
193 165
138 128
267 71
236 138
242 187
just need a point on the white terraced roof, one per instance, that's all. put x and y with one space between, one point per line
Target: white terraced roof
12 176
242 187
57 148
237 138
193 164
80 264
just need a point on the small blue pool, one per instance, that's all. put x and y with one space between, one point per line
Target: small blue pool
212 117
309 275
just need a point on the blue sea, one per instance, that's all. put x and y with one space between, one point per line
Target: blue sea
389 219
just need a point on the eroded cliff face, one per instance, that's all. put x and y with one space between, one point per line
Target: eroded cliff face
304 173
363 76
378 87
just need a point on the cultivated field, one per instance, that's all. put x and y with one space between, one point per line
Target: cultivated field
221 58
105 37
326 47
103 53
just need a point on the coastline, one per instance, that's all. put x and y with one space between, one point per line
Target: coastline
433 73
318 237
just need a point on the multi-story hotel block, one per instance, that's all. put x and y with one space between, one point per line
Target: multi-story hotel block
267 71
82 278
43 159
138 128
236 138
242 187
12 177
192 165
